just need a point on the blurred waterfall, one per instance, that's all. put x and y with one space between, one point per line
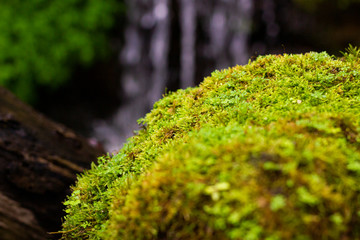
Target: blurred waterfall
173 43
143 61
269 18
188 41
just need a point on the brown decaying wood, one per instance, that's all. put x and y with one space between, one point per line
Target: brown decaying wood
39 160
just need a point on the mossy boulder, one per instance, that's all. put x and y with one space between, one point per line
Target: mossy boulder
269 150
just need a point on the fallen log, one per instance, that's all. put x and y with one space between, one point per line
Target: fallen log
39 160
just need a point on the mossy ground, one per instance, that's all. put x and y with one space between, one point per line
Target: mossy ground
269 150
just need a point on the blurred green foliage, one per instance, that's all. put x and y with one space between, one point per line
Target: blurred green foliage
41 41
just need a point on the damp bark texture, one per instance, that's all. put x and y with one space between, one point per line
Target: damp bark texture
39 160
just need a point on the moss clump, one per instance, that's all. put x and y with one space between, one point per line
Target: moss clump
270 150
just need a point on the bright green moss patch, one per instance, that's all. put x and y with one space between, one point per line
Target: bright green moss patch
270 150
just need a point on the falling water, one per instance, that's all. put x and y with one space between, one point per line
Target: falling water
212 34
188 35
269 18
143 61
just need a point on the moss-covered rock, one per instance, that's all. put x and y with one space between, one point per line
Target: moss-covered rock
269 150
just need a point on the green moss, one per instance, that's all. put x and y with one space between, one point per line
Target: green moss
269 150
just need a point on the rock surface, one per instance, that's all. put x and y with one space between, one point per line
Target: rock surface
39 160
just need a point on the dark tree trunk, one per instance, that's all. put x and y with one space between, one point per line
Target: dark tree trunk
39 160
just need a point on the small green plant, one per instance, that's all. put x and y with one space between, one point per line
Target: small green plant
269 150
352 53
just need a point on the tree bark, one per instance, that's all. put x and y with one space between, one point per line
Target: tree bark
39 160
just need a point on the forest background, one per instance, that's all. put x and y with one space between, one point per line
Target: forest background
71 59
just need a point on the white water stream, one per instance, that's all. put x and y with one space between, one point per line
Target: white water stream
213 35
